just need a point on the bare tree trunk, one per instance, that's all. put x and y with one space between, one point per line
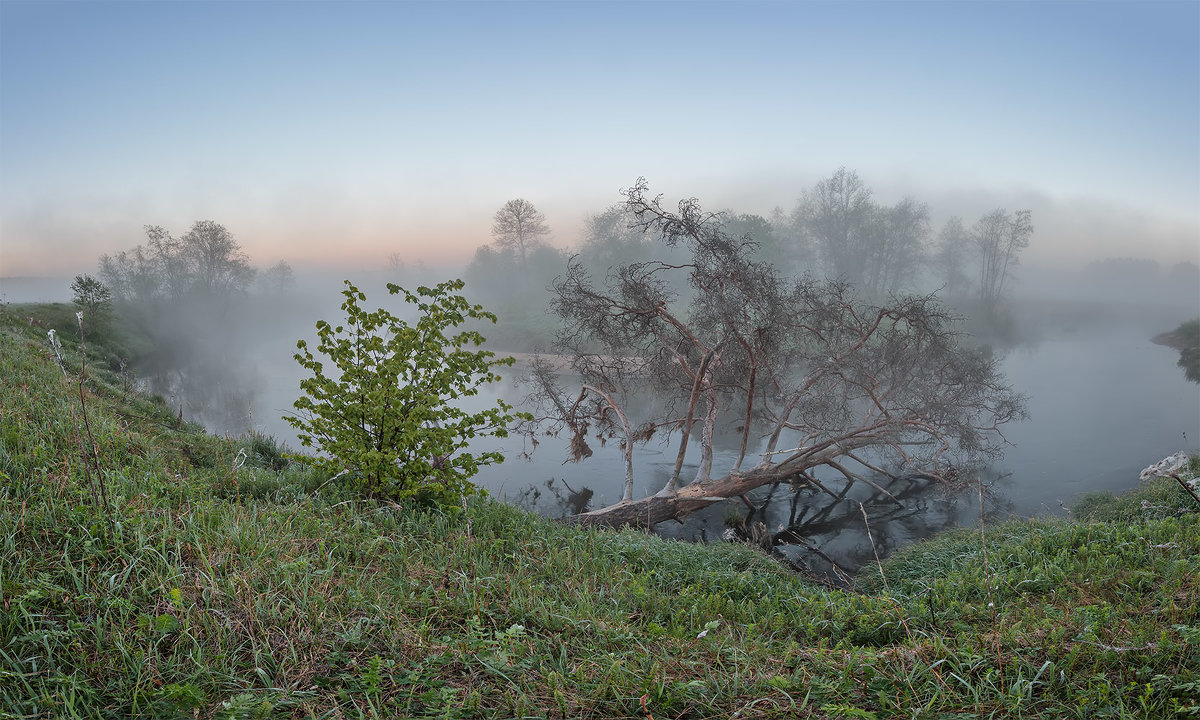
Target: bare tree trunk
627 492
649 511
773 442
673 483
706 438
747 421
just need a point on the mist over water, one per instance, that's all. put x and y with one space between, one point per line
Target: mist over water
1104 403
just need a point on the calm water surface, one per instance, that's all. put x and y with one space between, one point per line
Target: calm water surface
1104 403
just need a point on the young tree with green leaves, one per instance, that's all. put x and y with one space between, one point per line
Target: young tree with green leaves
389 413
92 297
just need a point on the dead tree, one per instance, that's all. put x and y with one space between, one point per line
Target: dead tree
815 378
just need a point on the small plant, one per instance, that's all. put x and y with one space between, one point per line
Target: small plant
389 414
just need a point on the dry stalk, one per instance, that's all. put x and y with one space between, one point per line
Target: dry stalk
987 575
871 538
879 564
87 424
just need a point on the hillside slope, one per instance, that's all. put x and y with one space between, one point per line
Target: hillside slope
150 570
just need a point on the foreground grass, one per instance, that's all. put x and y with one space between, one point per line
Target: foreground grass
221 581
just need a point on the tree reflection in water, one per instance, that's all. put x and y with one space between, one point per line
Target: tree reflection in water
816 529
824 533
217 393
561 503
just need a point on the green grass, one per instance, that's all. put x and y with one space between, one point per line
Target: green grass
224 581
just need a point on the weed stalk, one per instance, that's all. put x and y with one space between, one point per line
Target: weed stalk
871 538
91 460
87 426
987 578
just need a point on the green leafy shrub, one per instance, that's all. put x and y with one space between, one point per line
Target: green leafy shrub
389 415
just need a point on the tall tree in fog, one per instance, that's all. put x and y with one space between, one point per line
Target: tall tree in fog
837 214
790 249
519 226
771 245
611 238
999 237
894 247
205 262
876 248
177 292
279 278
951 258
218 264
521 306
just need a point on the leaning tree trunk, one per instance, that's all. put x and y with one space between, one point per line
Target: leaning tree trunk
649 511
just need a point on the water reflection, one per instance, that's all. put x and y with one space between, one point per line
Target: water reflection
1105 402
827 534
551 500
831 537
220 394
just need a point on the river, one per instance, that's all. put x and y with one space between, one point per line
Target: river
1104 403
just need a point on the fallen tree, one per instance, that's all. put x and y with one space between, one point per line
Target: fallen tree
811 377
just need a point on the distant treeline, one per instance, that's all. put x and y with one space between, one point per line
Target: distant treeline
836 230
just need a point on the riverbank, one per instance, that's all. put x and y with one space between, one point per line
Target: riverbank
1185 339
148 569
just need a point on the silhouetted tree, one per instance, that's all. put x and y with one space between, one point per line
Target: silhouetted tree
519 226
895 247
217 263
520 306
790 248
1185 274
279 278
206 261
610 238
178 294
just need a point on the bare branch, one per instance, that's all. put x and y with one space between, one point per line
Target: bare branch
807 362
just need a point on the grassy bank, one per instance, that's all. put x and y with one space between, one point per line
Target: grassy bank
1185 339
150 570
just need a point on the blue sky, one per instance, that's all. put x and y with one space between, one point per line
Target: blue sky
337 133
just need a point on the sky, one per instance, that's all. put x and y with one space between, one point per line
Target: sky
334 134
